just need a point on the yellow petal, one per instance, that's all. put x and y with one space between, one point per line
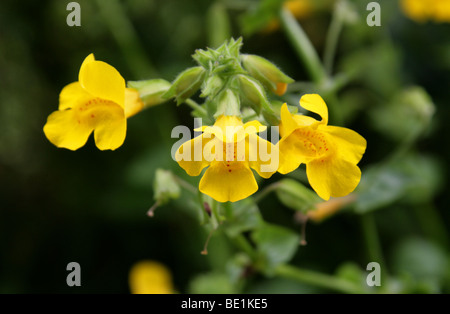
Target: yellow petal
72 95
110 130
70 128
302 120
133 103
88 59
333 177
228 129
102 80
253 127
149 277
315 103
418 10
201 129
349 144
288 124
294 151
64 129
192 156
224 184
262 156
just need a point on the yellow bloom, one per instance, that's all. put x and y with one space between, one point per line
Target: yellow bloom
150 277
230 148
331 153
442 11
98 102
424 10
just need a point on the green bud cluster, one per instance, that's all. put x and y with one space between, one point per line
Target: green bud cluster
230 80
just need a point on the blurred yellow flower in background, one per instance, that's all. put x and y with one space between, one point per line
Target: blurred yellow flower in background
426 10
299 8
98 102
329 208
150 277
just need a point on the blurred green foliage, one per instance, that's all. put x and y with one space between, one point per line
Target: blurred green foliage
88 206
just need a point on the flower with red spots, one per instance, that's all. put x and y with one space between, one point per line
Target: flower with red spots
331 153
98 102
230 148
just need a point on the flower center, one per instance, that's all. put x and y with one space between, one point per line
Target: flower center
95 102
231 155
314 142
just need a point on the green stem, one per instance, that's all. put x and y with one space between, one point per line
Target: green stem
196 107
334 107
334 31
317 279
215 211
264 192
308 55
372 240
228 208
125 35
431 223
303 47
241 242
186 185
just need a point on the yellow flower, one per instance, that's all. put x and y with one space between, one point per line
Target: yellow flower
230 148
98 102
424 10
150 277
442 11
331 153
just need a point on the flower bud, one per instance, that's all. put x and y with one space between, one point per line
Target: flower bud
296 196
328 208
252 92
165 187
186 84
253 95
151 91
406 116
212 86
267 73
228 105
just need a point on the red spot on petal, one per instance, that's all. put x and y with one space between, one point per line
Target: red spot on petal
92 116
229 170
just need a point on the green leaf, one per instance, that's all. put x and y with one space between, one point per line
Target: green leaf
275 244
245 217
211 283
422 261
407 116
414 178
260 16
